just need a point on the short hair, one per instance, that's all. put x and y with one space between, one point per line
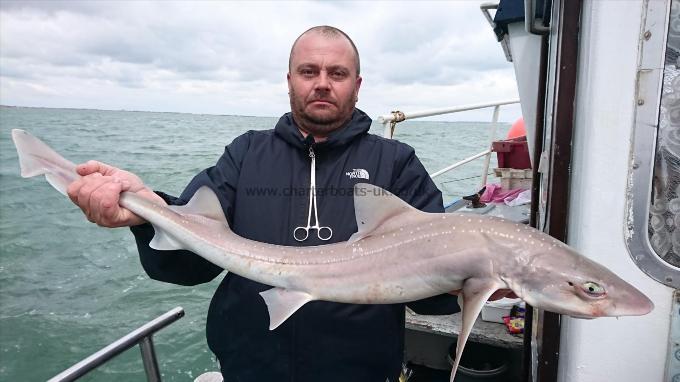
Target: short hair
330 32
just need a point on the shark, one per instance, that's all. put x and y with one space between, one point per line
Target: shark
399 254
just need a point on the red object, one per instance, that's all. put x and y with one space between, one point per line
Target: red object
512 153
517 129
515 325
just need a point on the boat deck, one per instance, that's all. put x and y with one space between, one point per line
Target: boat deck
489 333
428 340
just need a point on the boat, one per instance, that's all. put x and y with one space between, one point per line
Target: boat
599 86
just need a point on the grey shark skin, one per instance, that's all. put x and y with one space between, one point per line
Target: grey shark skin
399 254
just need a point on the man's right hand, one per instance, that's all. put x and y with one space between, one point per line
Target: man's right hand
98 191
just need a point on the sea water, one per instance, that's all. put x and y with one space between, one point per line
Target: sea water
69 288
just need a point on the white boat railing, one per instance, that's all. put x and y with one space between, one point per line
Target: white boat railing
390 121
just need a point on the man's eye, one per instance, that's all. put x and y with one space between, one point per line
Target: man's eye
307 72
338 75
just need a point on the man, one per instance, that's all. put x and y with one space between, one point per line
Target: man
264 181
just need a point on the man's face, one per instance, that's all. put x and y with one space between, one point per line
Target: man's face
323 83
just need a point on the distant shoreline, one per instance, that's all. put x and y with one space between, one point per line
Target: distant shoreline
133 111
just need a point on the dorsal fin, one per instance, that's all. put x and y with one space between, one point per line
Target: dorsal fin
378 210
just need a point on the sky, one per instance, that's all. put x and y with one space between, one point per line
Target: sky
231 57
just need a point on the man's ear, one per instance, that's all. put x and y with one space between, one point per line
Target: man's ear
358 83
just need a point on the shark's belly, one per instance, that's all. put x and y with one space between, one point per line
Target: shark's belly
376 280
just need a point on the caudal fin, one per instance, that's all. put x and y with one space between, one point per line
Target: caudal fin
37 158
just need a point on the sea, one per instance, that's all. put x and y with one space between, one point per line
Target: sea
69 288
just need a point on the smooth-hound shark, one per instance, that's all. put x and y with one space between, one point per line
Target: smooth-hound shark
399 254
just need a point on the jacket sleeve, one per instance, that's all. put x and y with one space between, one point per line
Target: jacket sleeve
181 266
412 184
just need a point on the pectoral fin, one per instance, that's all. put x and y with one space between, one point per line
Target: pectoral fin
474 294
282 303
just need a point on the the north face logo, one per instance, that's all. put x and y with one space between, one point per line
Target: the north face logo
357 173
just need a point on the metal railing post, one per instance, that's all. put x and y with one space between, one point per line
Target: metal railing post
149 360
387 130
141 336
487 159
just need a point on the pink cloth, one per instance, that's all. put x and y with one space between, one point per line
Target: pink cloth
495 194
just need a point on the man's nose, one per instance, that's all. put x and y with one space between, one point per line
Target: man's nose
322 82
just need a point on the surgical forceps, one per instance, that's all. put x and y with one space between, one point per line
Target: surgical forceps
322 232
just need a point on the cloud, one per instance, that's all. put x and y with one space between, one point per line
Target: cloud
231 57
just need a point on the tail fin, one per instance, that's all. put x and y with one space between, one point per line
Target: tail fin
37 158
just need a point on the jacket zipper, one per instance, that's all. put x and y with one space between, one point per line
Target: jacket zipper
294 342
312 185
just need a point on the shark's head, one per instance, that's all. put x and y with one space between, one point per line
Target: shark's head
565 282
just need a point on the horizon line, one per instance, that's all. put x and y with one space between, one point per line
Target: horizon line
209 114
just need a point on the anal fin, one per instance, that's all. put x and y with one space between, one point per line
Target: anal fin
282 303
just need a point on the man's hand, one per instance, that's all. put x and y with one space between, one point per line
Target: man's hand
497 295
98 191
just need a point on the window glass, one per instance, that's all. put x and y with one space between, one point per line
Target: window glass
664 216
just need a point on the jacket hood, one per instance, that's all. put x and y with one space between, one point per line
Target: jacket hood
358 125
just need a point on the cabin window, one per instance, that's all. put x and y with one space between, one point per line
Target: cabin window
653 234
664 211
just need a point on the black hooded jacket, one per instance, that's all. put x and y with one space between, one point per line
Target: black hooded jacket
263 181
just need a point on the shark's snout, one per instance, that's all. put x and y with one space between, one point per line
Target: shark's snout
641 305
632 303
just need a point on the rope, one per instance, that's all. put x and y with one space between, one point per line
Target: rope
399 116
470 177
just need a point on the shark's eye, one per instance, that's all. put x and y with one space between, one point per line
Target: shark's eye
593 289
